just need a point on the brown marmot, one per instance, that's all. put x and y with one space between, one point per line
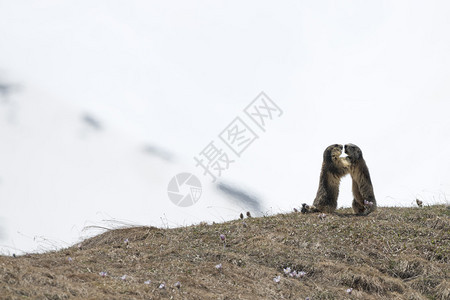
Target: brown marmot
334 168
363 197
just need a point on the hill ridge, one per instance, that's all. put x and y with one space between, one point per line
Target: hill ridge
400 253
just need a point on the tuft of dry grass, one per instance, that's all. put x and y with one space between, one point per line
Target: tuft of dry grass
394 253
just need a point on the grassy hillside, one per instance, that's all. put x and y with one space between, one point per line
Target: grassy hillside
395 253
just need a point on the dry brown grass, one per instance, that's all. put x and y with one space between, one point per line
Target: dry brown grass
394 253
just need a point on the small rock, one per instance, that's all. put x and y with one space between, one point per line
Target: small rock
305 208
419 203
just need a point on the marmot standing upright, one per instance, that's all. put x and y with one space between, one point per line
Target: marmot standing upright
334 168
363 197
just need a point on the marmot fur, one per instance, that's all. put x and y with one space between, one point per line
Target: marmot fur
334 168
363 197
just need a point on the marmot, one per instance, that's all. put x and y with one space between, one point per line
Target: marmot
364 199
334 168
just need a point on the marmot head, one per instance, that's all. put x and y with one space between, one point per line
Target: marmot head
353 152
332 152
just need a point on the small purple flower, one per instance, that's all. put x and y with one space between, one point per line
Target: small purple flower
287 270
147 282
366 202
124 277
222 237
103 274
162 286
301 274
277 279
370 203
70 259
219 267
349 291
177 284
307 298
126 241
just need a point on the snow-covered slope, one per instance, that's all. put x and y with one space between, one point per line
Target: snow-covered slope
63 169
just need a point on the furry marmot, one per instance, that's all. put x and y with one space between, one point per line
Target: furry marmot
363 197
334 168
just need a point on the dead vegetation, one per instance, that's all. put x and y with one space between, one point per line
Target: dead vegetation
394 253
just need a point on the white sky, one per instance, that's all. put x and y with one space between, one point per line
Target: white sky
175 73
